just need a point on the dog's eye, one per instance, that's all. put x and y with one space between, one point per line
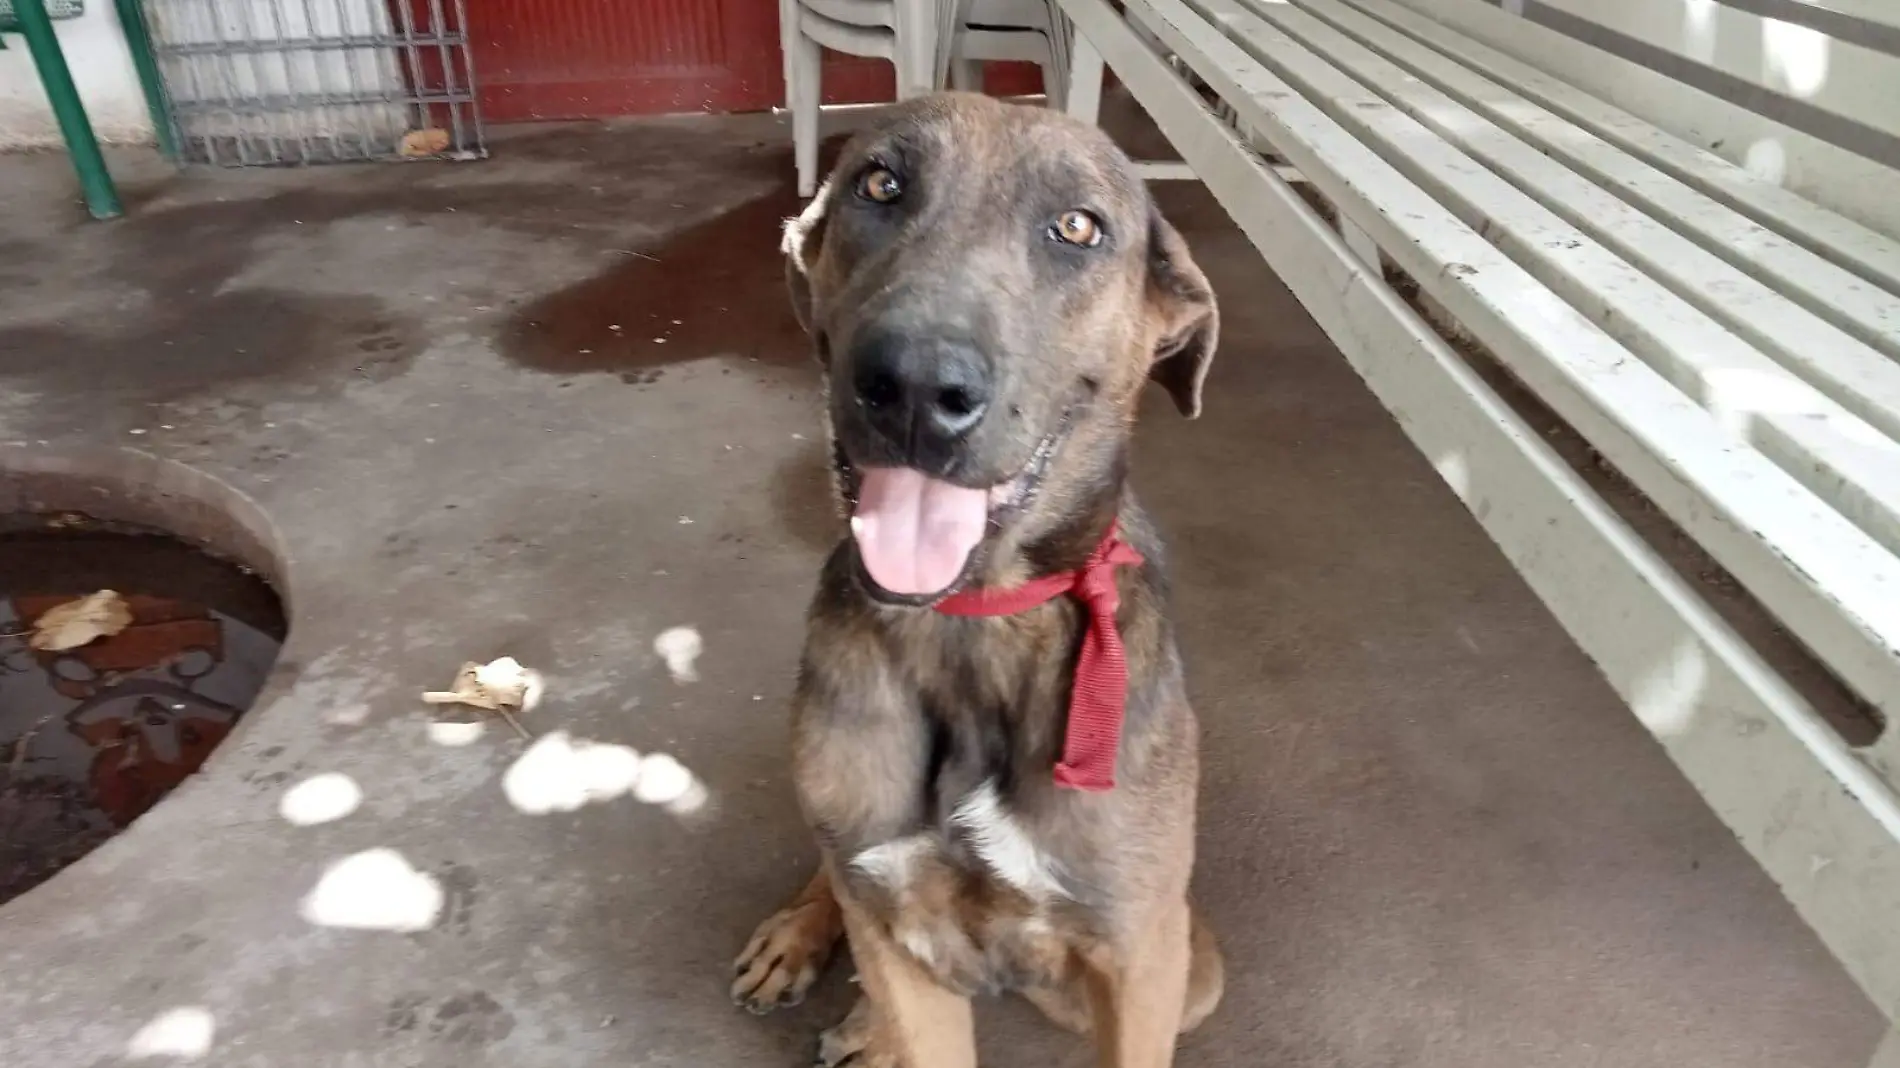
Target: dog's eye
1077 228
880 186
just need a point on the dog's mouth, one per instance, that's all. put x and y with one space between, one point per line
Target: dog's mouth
920 538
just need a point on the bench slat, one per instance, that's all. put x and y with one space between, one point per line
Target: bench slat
1865 376
1836 454
1830 73
1824 578
1766 763
1880 11
1836 259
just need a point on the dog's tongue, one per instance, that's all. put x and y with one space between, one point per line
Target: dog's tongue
914 532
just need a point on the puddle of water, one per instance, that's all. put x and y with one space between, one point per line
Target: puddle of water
716 288
93 737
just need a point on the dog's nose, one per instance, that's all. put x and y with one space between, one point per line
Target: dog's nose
921 392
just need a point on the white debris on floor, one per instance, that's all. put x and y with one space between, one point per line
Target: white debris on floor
495 686
680 648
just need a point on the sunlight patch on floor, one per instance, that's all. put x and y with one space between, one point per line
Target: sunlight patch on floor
560 773
321 798
180 1034
375 890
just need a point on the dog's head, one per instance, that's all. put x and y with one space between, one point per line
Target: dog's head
988 286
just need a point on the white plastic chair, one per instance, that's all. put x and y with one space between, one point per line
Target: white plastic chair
925 40
1021 30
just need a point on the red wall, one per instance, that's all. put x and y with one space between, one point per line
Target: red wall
574 59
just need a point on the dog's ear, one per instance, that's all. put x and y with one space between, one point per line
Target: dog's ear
1186 322
803 239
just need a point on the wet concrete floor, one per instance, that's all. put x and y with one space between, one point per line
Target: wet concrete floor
1431 836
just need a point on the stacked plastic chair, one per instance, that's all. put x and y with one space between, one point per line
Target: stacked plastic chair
929 42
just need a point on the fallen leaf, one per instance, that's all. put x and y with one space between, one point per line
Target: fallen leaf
430 142
75 623
496 686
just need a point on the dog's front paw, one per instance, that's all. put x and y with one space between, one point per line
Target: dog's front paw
784 957
856 1042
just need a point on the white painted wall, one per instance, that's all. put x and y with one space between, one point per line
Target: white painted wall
108 83
102 66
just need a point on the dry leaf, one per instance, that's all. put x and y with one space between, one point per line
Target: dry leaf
498 685
430 142
75 623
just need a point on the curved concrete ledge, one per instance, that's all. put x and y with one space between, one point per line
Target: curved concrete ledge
127 485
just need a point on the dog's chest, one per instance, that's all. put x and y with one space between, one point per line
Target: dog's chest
977 899
931 803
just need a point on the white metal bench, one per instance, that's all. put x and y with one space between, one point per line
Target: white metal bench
1729 346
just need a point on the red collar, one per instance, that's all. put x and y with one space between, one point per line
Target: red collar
1101 675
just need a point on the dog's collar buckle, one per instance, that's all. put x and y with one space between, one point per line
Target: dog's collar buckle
1100 696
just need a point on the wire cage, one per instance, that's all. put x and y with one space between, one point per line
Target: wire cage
271 82
56 10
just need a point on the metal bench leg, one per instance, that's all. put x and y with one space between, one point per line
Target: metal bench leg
95 182
1084 98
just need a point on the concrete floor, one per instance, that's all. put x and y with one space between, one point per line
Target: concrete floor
1431 835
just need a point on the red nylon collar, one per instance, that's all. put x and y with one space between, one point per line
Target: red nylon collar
1101 675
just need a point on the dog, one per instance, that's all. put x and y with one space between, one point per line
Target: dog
992 740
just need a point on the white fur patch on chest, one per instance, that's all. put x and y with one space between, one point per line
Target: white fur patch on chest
1004 846
893 863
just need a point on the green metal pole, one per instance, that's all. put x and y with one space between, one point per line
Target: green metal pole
138 36
94 180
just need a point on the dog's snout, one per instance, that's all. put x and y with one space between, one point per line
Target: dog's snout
921 393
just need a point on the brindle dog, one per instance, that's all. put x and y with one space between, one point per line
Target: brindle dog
989 286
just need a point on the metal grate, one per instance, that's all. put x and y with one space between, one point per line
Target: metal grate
262 82
56 10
